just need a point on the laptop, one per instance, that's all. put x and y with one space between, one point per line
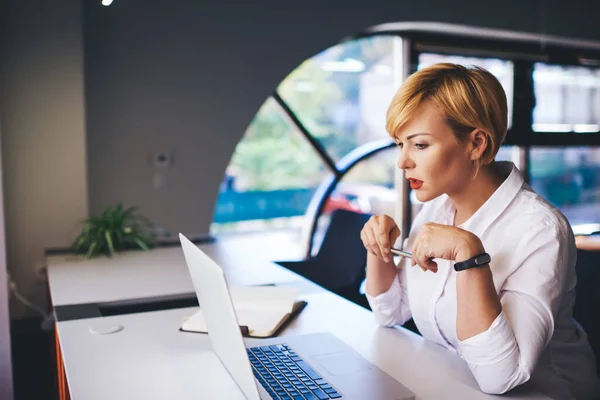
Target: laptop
313 366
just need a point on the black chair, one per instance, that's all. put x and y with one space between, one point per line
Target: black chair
339 266
586 310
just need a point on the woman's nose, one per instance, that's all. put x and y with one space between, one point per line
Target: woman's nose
404 161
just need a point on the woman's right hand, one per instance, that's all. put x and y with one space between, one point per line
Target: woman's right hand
378 235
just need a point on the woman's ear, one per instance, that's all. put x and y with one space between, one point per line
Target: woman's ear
479 143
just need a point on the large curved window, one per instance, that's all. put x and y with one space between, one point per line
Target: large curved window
342 94
371 183
271 177
316 144
367 188
331 104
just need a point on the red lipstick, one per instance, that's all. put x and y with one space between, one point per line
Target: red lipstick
415 183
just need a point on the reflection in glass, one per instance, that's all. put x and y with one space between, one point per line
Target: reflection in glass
342 94
271 177
503 70
569 178
567 99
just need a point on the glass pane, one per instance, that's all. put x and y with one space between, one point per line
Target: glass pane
505 153
567 99
503 70
366 188
342 94
271 177
569 178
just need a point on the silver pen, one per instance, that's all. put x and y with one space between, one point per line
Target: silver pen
402 253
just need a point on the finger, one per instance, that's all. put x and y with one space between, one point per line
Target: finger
420 258
415 262
415 254
383 243
367 242
431 265
386 227
426 262
374 248
365 235
364 238
394 234
421 263
383 237
413 259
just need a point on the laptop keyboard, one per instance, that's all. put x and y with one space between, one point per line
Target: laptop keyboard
285 376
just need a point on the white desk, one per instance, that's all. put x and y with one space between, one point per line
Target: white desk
162 272
151 359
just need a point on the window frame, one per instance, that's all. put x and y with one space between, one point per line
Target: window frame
523 50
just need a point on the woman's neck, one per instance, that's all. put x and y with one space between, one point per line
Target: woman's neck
476 193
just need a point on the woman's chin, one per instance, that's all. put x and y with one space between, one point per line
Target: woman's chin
423 195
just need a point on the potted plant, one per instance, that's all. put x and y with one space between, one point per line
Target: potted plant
114 230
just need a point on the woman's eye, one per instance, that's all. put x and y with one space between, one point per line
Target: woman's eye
421 146
399 144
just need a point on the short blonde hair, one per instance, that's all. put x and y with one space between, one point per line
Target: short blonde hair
469 98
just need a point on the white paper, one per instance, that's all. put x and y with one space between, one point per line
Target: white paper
264 297
260 308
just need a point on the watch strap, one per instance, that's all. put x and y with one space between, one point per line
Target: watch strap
477 261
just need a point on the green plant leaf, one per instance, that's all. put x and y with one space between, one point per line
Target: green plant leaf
119 238
141 243
109 241
113 230
90 252
79 243
118 217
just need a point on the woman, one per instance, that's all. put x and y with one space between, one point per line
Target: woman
496 279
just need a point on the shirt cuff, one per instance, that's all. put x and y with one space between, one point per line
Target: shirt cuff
388 299
491 346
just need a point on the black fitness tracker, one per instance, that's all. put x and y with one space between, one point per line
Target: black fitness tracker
476 261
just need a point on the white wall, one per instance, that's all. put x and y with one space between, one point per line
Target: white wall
43 134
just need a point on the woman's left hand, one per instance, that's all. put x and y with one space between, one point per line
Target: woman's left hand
445 242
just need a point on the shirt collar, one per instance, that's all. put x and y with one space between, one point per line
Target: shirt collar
494 206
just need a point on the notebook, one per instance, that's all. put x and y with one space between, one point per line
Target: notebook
261 310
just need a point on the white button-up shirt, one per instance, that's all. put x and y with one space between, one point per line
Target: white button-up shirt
533 264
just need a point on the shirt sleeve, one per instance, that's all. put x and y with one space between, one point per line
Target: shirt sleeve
505 355
391 307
